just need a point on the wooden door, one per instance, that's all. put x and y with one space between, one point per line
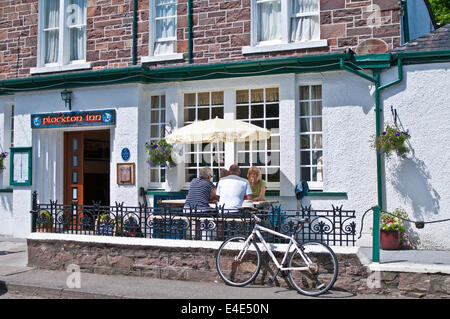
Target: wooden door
74 173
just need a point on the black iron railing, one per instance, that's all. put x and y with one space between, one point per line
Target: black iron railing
335 227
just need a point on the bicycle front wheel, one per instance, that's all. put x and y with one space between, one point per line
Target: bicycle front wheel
320 269
238 264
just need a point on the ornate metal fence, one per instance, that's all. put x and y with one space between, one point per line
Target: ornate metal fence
335 227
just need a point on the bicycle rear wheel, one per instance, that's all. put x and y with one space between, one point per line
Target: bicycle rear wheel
322 272
236 271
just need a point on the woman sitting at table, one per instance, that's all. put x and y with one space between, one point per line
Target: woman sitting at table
257 184
201 192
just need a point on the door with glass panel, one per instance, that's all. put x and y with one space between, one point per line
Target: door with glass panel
74 174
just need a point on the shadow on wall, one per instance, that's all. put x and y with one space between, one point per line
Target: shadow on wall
412 180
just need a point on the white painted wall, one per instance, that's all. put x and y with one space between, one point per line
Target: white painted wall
420 183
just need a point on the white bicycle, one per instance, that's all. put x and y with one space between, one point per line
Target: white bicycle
312 267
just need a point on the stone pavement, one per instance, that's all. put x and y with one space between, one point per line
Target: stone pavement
17 277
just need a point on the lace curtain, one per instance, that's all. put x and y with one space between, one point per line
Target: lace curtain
305 27
51 31
165 24
77 26
269 20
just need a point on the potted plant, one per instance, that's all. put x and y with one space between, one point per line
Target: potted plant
160 154
392 140
392 230
105 225
3 155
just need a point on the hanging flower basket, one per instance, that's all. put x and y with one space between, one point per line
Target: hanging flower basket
160 154
3 156
392 140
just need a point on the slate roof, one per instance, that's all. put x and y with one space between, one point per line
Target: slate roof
436 40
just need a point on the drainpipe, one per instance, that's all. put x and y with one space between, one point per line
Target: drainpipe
189 12
378 127
134 31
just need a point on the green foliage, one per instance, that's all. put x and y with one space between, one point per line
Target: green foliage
441 11
392 140
46 218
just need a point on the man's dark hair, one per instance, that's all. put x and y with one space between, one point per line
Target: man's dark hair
234 169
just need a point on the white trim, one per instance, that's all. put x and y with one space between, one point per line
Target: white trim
161 58
180 243
284 47
61 68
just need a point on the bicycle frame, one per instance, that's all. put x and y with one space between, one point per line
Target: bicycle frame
257 231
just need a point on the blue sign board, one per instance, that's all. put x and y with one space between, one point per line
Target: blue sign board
73 119
125 154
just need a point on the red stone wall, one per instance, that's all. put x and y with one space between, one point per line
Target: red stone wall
220 29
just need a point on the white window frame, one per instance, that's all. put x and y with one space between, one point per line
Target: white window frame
313 185
161 123
63 62
216 149
252 151
284 44
152 38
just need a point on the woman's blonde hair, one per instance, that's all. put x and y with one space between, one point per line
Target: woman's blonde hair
254 170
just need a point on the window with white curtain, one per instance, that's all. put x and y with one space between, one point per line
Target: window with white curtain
62 38
165 26
311 147
292 23
157 132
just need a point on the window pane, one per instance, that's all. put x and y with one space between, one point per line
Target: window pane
272 95
257 111
304 108
305 174
242 112
317 158
304 141
304 125
305 158
271 124
154 102
316 92
165 28
189 99
217 98
51 39
203 99
304 93
269 21
316 108
242 96
316 140
317 124
272 110
257 95
217 112
189 115
51 14
203 114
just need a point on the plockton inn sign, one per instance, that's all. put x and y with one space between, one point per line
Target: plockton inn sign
71 119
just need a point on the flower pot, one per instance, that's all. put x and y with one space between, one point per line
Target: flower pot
389 239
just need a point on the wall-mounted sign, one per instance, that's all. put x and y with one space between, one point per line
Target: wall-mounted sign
70 119
20 173
125 154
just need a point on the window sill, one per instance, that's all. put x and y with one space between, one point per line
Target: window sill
313 193
162 58
61 68
284 47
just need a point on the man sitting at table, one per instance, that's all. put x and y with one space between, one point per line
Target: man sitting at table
233 189
201 192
